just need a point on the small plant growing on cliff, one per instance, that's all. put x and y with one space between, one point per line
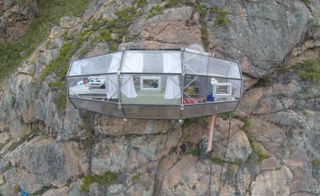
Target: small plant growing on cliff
4 144
194 152
126 14
173 3
201 9
158 9
136 177
246 128
57 84
217 160
104 179
225 116
140 3
155 10
316 163
61 100
246 124
7 167
229 175
22 3
221 16
258 150
59 65
103 35
311 70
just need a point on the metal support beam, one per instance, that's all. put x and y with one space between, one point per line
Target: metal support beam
182 83
211 130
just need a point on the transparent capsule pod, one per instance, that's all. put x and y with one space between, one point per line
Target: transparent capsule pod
155 84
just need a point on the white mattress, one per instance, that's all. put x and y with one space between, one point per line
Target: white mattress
85 90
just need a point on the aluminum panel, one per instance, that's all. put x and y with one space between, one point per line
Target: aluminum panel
191 111
97 106
151 112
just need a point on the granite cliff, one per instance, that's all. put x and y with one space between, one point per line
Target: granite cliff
47 147
15 18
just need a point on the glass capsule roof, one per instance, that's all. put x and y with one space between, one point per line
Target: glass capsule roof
156 84
143 61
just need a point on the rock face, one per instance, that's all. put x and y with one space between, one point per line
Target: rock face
42 162
170 28
15 18
50 148
263 31
272 182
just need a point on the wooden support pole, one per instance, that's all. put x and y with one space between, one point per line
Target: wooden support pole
211 130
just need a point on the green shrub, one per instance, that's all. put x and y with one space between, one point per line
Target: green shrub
105 28
246 128
173 3
225 115
194 151
4 144
83 52
247 124
158 9
96 24
221 16
204 28
257 149
205 35
316 163
155 10
113 47
201 9
84 35
216 160
307 1
120 26
57 84
110 24
60 64
105 35
105 179
311 70
22 3
61 100
7 167
140 3
229 175
126 14
136 178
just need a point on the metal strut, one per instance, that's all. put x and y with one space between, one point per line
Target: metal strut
211 130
